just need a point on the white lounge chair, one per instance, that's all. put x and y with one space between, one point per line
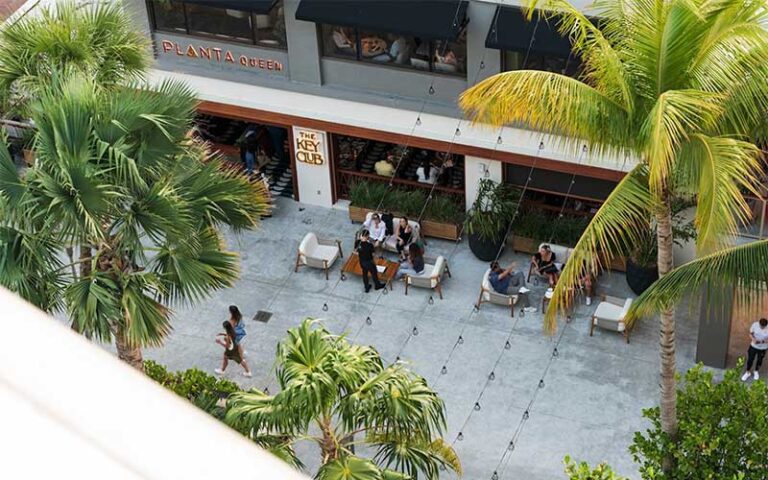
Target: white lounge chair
610 314
318 253
431 277
488 294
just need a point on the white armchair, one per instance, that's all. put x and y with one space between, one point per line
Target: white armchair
488 294
318 253
610 314
431 277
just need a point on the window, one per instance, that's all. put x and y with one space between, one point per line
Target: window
264 30
169 16
395 49
513 60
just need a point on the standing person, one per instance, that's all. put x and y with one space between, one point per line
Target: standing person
236 320
232 350
427 173
249 148
365 251
758 334
415 263
510 282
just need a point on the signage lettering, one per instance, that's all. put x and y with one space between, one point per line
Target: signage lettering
215 54
309 148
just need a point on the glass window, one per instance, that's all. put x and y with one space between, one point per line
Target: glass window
169 16
514 60
220 22
270 28
395 49
339 41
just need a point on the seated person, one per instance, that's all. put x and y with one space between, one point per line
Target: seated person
585 281
385 167
399 51
544 263
377 229
427 173
414 265
404 234
342 41
446 57
510 282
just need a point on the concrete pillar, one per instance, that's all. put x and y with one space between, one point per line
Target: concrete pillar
313 166
714 326
480 18
303 47
475 169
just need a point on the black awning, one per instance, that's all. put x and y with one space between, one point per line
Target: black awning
511 31
432 19
256 6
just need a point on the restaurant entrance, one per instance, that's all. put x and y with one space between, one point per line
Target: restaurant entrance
270 143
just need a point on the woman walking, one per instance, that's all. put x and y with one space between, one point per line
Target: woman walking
232 350
236 319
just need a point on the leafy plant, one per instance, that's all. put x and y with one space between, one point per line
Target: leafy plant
339 395
722 434
492 210
443 208
409 202
582 471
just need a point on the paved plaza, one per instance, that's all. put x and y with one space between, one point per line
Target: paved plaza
588 405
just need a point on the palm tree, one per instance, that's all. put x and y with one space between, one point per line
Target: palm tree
116 172
347 397
97 38
680 85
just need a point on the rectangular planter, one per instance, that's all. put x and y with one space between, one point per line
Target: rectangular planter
357 214
523 244
447 231
619 264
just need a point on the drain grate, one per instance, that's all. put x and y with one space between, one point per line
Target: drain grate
262 316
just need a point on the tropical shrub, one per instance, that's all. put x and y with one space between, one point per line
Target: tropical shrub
339 395
582 471
723 431
410 202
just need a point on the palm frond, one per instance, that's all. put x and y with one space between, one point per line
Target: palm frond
349 468
619 224
742 267
550 103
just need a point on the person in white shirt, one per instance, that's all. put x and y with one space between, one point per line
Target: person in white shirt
758 334
427 173
377 229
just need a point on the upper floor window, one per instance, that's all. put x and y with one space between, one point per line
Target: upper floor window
566 65
241 26
397 50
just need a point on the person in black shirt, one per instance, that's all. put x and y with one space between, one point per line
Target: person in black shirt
367 265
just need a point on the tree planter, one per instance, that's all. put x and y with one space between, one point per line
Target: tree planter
447 231
485 250
357 214
640 278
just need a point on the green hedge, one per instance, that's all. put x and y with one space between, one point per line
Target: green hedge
546 227
410 202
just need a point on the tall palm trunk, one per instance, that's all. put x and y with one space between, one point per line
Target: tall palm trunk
84 262
329 447
668 402
128 353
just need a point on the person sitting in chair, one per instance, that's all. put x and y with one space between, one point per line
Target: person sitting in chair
510 282
414 265
544 263
404 234
377 229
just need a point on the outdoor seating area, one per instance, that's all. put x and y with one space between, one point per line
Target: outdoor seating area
425 333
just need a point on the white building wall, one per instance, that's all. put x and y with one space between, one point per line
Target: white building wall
313 166
475 170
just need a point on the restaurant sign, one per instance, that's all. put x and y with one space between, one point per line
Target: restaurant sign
218 55
309 147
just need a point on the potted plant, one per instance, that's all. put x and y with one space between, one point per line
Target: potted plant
641 266
488 219
442 218
364 197
529 231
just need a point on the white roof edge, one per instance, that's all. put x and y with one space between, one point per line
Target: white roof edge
120 419
393 120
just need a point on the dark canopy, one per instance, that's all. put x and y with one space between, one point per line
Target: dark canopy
432 19
256 6
511 31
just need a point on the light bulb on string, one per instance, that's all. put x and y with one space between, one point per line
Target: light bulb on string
495 475
555 353
482 64
492 376
511 445
368 320
458 132
526 415
541 145
460 436
522 313
431 90
415 331
460 340
507 345
444 370
541 383
477 406
431 300
498 140
325 307
418 120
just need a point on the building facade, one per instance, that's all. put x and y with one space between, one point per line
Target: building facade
344 84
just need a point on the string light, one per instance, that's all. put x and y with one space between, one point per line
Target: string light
325 307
